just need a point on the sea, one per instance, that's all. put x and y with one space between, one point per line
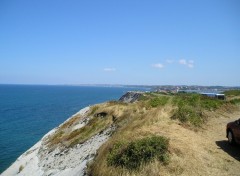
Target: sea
27 112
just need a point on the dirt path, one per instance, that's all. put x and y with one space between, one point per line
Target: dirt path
202 153
227 157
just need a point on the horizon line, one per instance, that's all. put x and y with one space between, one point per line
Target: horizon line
116 85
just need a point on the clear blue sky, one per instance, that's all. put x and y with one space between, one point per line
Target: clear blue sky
120 42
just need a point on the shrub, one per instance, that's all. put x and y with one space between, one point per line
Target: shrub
143 98
188 114
20 168
187 99
211 103
158 101
232 93
190 108
235 101
132 155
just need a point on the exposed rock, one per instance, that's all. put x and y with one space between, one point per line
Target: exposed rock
40 160
101 114
130 97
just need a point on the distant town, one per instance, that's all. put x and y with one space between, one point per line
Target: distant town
181 88
168 88
194 88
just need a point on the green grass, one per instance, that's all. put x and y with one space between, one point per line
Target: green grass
158 101
94 109
187 114
232 93
190 108
94 126
211 103
186 99
235 101
143 98
133 154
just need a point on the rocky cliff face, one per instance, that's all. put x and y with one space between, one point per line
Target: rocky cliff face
130 97
44 159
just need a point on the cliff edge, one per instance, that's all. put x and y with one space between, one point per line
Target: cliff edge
42 159
141 134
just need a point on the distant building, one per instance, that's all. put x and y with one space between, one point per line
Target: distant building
214 95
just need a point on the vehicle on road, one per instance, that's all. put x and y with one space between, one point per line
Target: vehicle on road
233 132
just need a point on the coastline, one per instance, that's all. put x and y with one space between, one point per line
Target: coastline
74 162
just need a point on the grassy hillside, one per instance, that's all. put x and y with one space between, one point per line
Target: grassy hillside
158 116
233 96
160 134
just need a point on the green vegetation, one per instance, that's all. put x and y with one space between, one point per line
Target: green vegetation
235 101
190 108
130 150
135 153
20 168
158 101
232 93
93 127
94 109
143 98
210 103
187 108
187 114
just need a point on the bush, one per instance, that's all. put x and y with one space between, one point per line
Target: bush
235 101
190 108
132 155
187 99
158 101
188 114
232 93
20 168
211 103
143 98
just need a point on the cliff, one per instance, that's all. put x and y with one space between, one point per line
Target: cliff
130 97
57 158
141 134
42 159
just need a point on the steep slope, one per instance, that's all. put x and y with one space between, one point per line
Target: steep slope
194 127
49 157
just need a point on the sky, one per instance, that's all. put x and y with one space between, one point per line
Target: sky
134 42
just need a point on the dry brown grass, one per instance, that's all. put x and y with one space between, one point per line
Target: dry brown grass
94 126
59 136
71 121
68 137
192 151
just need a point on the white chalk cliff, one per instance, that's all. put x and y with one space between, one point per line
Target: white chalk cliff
39 160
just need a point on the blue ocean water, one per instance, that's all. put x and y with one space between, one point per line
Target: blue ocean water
27 112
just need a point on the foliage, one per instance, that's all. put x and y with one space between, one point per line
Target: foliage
132 155
186 99
235 101
232 93
143 98
20 168
94 126
188 114
190 107
94 109
158 101
210 103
